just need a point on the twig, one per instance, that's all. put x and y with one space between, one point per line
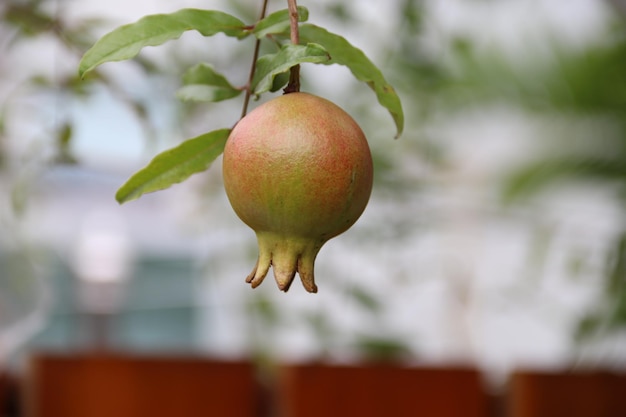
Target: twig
294 72
255 56
293 20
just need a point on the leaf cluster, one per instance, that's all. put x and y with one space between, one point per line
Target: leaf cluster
202 83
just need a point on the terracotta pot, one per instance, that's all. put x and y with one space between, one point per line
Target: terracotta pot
128 386
4 392
9 395
379 391
568 394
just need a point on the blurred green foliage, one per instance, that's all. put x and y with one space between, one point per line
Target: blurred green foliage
582 86
23 23
580 89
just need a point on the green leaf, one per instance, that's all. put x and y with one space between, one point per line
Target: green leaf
269 66
126 41
382 348
344 53
278 22
280 81
202 83
365 299
539 174
64 139
64 136
175 165
198 92
28 18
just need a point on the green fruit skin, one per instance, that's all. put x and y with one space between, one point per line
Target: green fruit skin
298 170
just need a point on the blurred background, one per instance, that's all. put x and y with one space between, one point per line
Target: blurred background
495 237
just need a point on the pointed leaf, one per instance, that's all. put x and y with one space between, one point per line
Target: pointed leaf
203 93
269 66
280 81
64 140
537 175
126 41
175 165
203 83
278 22
344 53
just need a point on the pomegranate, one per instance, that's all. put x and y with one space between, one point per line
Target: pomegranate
298 171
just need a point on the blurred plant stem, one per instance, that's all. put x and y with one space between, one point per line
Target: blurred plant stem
255 57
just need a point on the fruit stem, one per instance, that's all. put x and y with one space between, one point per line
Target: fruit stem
294 72
255 57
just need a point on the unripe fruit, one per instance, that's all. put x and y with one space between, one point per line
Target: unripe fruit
297 170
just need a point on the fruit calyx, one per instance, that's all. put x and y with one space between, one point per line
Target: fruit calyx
286 255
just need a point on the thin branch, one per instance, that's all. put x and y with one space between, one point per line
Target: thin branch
294 72
293 20
255 57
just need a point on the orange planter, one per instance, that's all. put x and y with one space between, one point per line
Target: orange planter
379 391
568 394
3 392
127 386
